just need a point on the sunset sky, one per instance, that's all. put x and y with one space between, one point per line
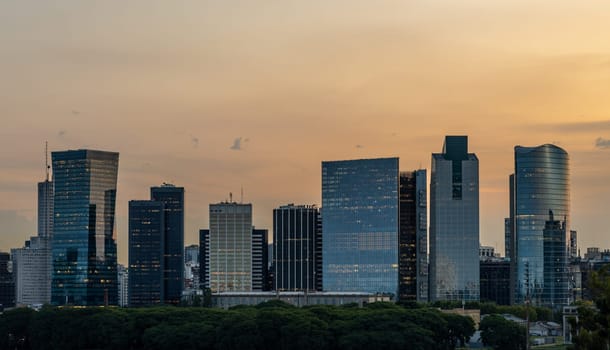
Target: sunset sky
216 95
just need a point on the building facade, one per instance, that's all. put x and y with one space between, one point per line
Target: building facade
123 285
45 209
32 270
7 284
230 247
360 208
413 236
173 254
83 244
260 259
540 184
296 231
495 280
454 222
204 259
146 253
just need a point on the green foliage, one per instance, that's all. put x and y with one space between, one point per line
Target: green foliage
592 330
502 334
271 325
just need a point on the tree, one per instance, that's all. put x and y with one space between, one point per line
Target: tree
502 334
593 327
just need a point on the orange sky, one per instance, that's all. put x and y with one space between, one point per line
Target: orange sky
172 84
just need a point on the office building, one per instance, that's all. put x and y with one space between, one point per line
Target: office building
360 208
146 252
495 280
540 184
204 259
454 222
556 287
413 237
7 284
32 272
260 259
173 265
296 231
230 247
191 254
83 244
123 285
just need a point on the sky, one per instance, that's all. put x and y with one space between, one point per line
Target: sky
216 96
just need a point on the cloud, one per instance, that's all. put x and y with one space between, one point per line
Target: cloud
602 143
195 141
236 144
578 126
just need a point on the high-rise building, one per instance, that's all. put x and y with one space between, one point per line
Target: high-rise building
540 184
230 247
204 259
507 237
32 272
495 280
191 254
413 236
146 252
360 209
83 244
296 231
259 259
173 276
454 222
555 286
45 209
7 284
573 249
123 285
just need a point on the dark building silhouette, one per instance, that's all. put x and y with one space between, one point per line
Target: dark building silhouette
495 280
146 252
83 244
412 240
556 288
296 260
173 266
204 258
7 285
260 259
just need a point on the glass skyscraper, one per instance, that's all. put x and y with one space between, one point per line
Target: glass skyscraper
540 217
83 244
146 253
173 254
360 225
454 222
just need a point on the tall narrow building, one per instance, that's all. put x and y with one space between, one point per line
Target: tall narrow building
84 247
260 259
413 237
146 253
540 185
204 258
230 247
360 208
295 243
454 222
173 255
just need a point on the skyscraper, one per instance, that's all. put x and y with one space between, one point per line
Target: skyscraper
413 236
173 276
204 258
539 185
360 225
146 253
230 248
296 231
7 283
454 222
260 258
84 248
45 203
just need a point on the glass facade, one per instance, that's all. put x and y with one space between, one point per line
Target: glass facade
454 222
541 184
173 266
146 247
295 231
45 209
83 244
230 247
360 225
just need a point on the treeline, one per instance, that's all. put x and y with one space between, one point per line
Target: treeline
271 325
536 313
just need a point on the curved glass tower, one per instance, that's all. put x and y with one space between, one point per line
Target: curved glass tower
540 218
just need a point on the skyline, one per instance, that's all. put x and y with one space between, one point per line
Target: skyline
215 96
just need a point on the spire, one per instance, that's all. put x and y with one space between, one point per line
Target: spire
46 159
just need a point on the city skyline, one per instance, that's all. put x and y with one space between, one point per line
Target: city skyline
245 95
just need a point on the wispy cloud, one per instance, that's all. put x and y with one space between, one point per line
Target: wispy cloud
236 144
602 143
577 126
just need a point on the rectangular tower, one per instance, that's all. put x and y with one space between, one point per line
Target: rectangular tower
230 268
360 225
204 259
146 253
454 222
83 244
413 236
260 258
173 255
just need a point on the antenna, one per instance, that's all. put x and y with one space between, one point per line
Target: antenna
46 159
230 197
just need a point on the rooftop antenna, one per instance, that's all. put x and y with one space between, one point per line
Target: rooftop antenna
230 197
46 159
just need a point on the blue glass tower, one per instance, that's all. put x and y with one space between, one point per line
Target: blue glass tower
83 244
540 217
173 199
360 225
